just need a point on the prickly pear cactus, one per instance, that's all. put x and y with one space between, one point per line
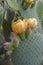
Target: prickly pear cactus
21 40
29 52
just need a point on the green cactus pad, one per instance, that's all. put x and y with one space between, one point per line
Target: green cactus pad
29 51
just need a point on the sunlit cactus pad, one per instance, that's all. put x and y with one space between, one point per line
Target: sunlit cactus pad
29 52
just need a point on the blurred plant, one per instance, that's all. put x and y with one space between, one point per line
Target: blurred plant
18 19
27 3
40 12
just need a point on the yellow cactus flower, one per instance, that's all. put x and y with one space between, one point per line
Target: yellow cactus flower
29 1
19 26
32 22
25 21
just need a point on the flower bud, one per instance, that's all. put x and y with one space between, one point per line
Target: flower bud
32 23
19 26
29 1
